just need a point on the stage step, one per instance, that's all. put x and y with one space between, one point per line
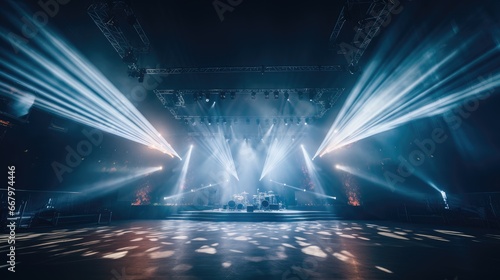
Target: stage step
243 216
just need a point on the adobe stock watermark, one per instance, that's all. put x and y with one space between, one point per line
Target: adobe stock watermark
74 155
29 30
425 148
363 28
222 7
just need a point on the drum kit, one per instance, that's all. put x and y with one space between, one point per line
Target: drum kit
261 200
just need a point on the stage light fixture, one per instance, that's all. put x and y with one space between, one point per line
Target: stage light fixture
233 95
287 96
266 94
276 94
207 97
253 94
222 95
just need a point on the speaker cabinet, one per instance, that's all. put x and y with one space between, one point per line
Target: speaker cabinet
249 208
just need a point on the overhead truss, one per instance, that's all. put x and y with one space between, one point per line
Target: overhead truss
367 28
324 98
244 69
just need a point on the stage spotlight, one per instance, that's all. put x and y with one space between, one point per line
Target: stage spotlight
161 167
445 200
222 95
233 94
287 96
306 122
207 97
253 94
286 121
266 95
337 166
276 94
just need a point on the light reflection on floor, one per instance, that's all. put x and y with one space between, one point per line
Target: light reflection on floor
239 250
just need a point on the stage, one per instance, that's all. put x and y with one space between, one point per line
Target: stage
283 215
168 249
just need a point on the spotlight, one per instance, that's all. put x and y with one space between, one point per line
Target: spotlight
306 122
161 167
207 97
276 94
337 166
253 94
266 95
275 121
232 94
287 96
222 95
286 121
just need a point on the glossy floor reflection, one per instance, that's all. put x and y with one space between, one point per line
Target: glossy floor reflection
267 250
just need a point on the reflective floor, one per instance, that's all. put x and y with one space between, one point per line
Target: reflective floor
268 250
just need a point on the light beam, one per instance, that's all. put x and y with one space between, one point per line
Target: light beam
68 85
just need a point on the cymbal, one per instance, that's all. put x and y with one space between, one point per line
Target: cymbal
270 192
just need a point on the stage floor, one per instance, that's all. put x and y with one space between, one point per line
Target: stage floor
168 249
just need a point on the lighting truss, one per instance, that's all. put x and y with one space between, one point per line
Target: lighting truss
244 69
66 84
324 98
377 13
103 14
